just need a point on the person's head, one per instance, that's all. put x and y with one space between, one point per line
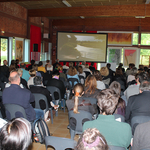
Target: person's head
72 71
107 101
92 63
108 65
91 139
16 135
12 67
48 61
40 63
121 65
32 62
97 75
60 68
118 71
55 74
80 69
20 72
14 77
130 65
37 80
35 67
32 72
87 66
116 87
13 62
5 62
104 71
145 86
83 62
134 71
64 62
23 65
78 92
145 69
70 64
142 76
141 67
17 61
90 84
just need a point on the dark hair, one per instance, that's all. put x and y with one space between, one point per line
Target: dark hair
90 84
55 73
32 72
107 101
108 65
91 138
97 75
40 63
72 71
145 86
64 62
118 71
16 135
92 63
32 62
37 80
145 69
22 65
142 76
116 87
80 69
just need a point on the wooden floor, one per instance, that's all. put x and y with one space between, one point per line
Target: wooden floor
58 129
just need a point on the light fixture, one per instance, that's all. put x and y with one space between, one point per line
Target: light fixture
82 17
139 16
3 31
66 3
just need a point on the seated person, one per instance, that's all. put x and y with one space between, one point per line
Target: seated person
141 137
81 73
14 94
16 135
91 139
40 67
78 102
116 133
57 83
32 73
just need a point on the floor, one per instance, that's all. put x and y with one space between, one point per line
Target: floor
58 129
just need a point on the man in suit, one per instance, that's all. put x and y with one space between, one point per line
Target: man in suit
139 105
23 97
38 88
57 83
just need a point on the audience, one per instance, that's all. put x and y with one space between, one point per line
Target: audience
64 66
105 75
81 74
62 75
25 74
40 67
92 68
116 133
32 73
16 135
91 139
30 66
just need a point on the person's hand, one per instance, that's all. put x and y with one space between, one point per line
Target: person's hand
56 106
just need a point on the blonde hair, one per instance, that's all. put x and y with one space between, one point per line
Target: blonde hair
78 90
104 71
72 71
32 72
20 71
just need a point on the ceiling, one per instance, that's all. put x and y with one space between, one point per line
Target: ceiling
56 9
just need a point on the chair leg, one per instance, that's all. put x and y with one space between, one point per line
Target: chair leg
72 134
63 104
57 103
51 115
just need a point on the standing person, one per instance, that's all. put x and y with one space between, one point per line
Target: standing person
32 63
116 133
5 69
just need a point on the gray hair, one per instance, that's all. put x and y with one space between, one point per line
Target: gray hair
145 86
37 80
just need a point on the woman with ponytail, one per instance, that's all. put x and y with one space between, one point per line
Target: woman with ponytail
78 102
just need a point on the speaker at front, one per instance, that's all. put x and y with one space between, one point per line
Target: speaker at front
35 47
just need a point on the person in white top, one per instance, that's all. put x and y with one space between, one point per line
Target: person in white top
100 84
81 73
32 73
64 66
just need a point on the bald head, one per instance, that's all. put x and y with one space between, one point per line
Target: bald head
14 78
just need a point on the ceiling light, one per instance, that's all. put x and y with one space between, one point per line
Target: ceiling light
3 31
139 16
66 3
82 17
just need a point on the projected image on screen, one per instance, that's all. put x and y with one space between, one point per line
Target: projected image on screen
81 47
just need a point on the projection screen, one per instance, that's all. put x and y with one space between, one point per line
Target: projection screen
81 46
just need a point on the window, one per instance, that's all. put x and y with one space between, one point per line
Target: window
135 39
145 56
13 52
145 39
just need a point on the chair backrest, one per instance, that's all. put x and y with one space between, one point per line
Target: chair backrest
72 80
59 143
52 90
137 120
82 79
116 148
40 101
87 73
92 100
119 116
14 111
79 118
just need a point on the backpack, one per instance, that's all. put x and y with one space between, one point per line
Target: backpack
40 130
